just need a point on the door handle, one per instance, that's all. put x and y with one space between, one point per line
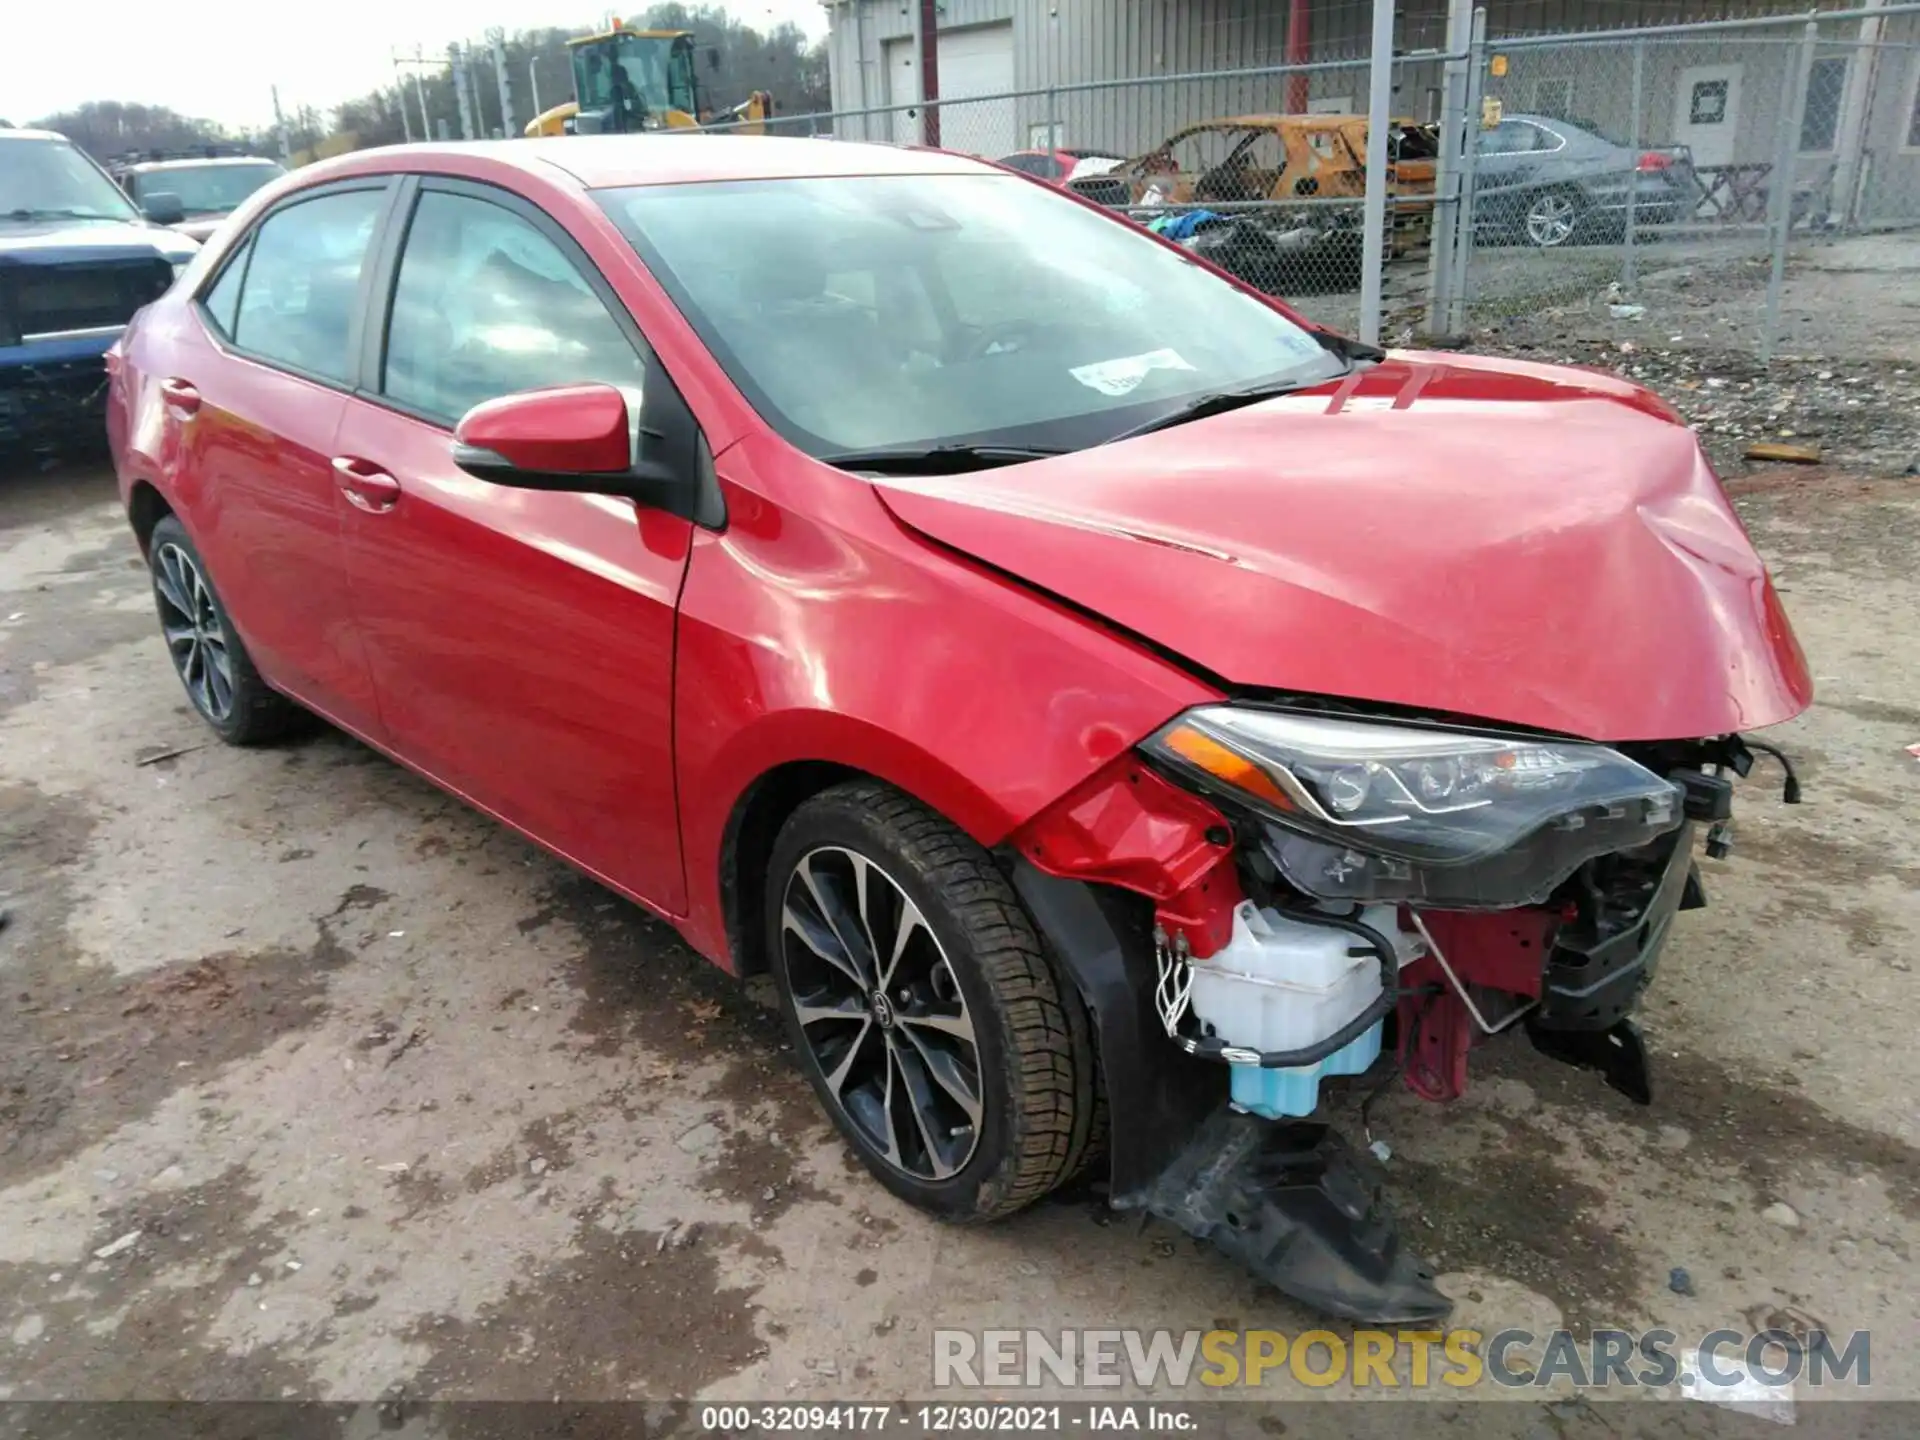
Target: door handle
367 487
180 395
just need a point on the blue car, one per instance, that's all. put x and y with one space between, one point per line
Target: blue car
76 261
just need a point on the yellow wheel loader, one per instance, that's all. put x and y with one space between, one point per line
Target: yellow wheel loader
626 81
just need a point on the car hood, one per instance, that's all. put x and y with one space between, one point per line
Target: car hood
1522 544
59 242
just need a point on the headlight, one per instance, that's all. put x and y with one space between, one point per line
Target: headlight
1370 811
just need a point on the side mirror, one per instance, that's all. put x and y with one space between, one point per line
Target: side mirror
163 207
593 439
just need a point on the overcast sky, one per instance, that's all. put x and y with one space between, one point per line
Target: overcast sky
218 59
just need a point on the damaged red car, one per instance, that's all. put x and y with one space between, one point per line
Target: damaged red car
1104 702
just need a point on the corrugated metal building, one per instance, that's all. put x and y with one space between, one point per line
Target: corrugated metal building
1720 93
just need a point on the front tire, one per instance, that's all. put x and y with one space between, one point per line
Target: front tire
214 667
923 1008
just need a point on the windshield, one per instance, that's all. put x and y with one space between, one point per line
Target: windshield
883 311
51 179
205 189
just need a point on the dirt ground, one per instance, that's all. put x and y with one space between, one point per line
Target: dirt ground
315 1084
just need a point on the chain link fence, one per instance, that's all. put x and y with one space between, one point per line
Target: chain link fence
1532 180
1725 158
1261 171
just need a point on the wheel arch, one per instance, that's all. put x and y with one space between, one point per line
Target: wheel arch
790 758
747 844
146 508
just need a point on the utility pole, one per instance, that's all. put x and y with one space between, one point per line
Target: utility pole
400 94
458 66
280 126
497 39
473 92
420 93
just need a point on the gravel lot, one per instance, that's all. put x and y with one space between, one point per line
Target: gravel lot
391 1099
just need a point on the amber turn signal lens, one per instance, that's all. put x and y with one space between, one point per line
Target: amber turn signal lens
1227 766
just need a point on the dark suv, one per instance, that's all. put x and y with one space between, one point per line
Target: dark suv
76 260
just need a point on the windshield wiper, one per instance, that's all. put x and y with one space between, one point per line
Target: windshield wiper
1216 403
937 459
24 213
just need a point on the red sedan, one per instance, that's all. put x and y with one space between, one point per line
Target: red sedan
1089 689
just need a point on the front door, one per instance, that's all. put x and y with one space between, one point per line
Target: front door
1707 113
258 489
521 642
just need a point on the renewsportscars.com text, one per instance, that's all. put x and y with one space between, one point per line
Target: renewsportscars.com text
1459 1359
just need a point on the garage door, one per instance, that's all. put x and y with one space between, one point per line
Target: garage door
977 61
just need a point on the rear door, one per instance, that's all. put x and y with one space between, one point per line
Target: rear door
521 642
258 388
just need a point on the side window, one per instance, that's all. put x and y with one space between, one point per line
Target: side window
303 283
485 305
222 302
1509 137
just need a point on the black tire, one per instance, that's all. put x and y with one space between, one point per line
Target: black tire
236 704
1032 1071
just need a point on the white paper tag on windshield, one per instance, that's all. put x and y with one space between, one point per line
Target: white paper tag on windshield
1120 377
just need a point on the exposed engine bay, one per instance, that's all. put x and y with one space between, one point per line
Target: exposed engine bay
1333 893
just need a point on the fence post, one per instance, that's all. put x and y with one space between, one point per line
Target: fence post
1373 250
1446 181
1792 115
1463 241
1631 272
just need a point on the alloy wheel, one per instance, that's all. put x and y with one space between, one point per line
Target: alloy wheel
881 1013
196 638
1550 219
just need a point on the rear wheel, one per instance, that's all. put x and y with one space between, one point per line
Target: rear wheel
1551 217
922 1007
207 655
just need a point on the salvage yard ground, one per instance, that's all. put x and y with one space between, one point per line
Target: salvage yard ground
315 1084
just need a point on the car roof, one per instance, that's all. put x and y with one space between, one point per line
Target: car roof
606 161
1556 121
196 163
34 135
